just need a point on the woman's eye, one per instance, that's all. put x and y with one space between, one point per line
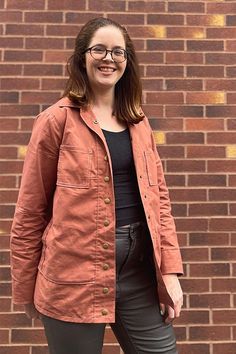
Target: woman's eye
98 50
118 52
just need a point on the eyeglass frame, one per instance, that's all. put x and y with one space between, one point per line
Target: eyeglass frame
107 51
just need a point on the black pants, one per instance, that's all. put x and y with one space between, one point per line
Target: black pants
139 326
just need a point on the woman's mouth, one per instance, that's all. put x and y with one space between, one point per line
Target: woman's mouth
106 69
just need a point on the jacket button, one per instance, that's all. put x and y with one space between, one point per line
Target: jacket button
105 266
106 178
104 312
105 290
105 158
107 200
105 246
106 223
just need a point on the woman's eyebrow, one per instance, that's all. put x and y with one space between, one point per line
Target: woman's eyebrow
103 45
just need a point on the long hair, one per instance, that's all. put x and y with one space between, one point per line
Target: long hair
128 90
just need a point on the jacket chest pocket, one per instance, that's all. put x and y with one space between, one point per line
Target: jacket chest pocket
151 167
74 167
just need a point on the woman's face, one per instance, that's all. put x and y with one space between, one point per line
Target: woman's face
105 73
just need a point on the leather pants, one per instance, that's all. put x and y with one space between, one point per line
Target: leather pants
139 326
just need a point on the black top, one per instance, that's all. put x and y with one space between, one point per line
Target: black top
128 204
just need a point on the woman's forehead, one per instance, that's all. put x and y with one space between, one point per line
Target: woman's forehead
108 36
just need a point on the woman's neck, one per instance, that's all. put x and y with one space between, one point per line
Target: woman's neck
104 100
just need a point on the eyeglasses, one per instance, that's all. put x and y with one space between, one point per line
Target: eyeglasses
99 52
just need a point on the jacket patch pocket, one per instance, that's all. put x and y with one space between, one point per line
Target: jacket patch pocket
151 167
74 167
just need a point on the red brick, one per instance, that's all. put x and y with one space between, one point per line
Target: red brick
226 348
224 285
109 336
53 84
210 179
9 124
179 210
10 69
180 32
110 349
62 30
221 111
26 4
7 211
208 239
165 44
230 20
194 317
146 58
66 5
4 336
14 350
81 17
40 350
19 110
224 316
147 6
44 43
224 84
166 71
19 83
184 111
194 285
205 71
5 290
185 138
181 195
205 152
25 30
202 124
209 333
209 300
5 274
11 16
9 97
185 6
199 20
57 56
167 124
180 333
209 269
22 55
185 166
194 254
39 97
7 181
13 320
184 58
165 19
175 180
152 85
221 33
183 84
230 45
221 138
205 46
231 124
221 58
223 254
128 19
188 224
208 209
232 180
4 243
7 196
44 17
164 97
222 224
35 336
232 209
169 152
231 71
222 194
11 42
194 348
43 70
104 5
221 8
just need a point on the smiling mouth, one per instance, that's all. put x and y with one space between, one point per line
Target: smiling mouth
106 69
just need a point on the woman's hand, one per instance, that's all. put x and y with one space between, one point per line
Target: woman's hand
31 311
174 289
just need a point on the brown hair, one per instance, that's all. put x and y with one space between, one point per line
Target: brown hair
127 106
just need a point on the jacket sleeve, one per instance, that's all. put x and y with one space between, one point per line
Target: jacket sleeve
33 209
171 261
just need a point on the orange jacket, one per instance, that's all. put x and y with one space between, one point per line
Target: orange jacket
62 240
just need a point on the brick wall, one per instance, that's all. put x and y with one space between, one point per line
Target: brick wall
187 56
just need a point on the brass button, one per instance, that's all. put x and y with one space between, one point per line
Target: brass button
106 178
95 121
104 312
105 246
105 158
105 290
106 223
107 200
105 266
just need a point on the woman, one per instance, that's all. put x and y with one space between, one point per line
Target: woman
93 240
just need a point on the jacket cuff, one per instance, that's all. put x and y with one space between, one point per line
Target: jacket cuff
23 293
171 262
